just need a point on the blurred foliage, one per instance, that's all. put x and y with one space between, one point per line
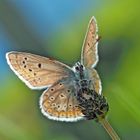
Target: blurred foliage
119 65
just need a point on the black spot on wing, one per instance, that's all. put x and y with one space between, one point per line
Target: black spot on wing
39 65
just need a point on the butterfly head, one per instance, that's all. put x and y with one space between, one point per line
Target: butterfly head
79 67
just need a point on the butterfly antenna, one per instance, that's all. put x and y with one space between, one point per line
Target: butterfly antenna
109 129
98 39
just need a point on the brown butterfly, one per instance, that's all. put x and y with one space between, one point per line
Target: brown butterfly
71 93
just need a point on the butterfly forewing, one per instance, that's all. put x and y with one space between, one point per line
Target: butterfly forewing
89 56
59 102
35 71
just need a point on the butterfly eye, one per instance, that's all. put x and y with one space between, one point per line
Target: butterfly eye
81 66
77 68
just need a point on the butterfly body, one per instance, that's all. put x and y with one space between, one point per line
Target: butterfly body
91 103
70 94
81 76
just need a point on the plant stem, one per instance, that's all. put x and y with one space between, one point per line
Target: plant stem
109 129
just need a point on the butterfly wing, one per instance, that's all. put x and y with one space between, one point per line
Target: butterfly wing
59 103
95 79
89 56
35 71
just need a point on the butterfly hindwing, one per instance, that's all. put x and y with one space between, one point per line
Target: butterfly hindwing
89 56
35 71
95 79
58 102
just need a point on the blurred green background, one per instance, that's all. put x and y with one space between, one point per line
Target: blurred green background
57 29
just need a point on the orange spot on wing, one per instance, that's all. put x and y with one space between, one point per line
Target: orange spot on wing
62 114
49 111
70 114
46 104
78 112
55 113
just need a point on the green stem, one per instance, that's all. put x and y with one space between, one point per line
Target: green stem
109 129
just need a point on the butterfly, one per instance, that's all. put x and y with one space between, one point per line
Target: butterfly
71 94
